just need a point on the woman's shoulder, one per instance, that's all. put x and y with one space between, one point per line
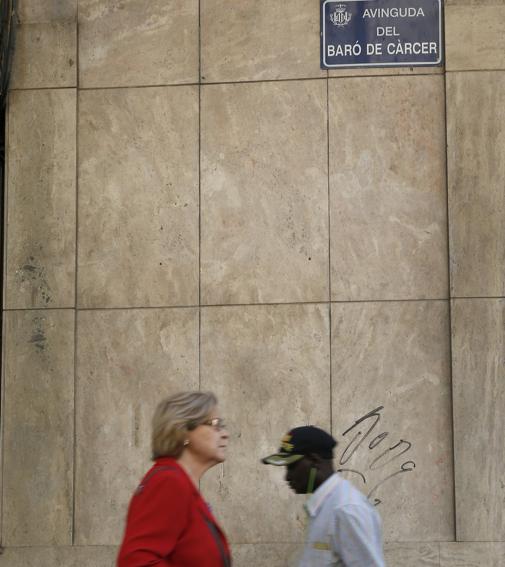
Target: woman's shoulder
166 474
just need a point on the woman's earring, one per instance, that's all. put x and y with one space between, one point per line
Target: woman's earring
186 442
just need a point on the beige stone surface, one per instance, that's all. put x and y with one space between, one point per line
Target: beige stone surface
396 355
412 554
138 197
464 554
474 2
384 71
287 554
269 367
38 425
123 43
266 555
254 40
128 361
387 185
264 195
474 37
45 56
68 556
46 10
478 346
40 232
476 174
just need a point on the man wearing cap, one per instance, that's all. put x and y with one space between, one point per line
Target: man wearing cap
344 528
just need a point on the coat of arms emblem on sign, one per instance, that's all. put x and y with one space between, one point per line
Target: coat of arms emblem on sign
340 17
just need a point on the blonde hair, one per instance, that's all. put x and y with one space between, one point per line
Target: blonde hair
174 417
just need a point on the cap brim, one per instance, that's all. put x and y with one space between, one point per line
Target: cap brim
281 459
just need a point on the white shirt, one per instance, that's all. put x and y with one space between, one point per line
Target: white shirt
344 528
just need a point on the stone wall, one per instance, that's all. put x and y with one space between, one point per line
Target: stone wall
192 203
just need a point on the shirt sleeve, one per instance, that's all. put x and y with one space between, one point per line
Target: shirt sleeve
357 537
156 518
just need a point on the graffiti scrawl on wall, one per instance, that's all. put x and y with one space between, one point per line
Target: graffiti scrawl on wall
380 450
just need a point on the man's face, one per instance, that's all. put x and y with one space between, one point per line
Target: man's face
297 475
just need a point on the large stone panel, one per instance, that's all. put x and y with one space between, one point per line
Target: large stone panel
45 56
288 555
46 10
255 40
128 361
462 554
38 428
478 345
264 193
412 554
476 174
269 366
138 197
474 37
68 556
387 184
266 554
131 43
396 355
41 155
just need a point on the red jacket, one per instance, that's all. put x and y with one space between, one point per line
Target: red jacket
169 524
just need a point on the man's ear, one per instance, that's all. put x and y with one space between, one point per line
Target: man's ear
315 458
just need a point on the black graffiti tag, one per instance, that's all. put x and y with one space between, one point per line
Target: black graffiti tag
358 433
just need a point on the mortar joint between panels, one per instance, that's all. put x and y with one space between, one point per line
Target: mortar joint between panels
252 304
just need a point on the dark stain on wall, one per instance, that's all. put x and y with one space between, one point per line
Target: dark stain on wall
35 274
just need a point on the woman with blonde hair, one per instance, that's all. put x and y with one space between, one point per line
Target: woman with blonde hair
168 522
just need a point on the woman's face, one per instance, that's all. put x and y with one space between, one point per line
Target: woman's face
208 441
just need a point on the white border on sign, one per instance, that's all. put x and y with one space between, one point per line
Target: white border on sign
411 64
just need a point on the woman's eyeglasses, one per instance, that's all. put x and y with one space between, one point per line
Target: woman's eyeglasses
217 423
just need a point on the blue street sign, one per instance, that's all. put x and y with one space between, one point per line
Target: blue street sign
380 33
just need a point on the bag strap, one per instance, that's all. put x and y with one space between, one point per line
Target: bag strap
217 538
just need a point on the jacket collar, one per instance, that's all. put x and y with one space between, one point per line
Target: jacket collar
314 503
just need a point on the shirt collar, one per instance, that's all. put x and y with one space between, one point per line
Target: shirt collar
314 503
